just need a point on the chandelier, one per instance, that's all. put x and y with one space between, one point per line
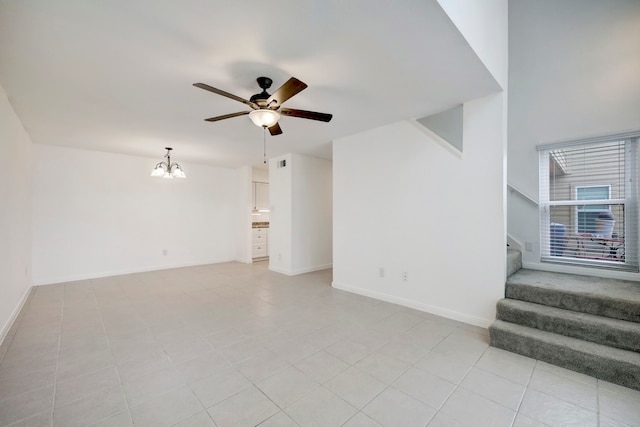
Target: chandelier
167 169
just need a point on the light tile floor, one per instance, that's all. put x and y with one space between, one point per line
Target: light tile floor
237 345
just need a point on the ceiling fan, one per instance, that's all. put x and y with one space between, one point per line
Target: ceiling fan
266 108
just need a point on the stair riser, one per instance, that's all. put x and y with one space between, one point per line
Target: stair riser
582 303
588 330
514 261
615 371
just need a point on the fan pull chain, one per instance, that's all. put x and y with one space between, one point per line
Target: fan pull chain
264 144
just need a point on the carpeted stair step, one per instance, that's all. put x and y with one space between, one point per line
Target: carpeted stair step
607 363
618 299
514 261
601 330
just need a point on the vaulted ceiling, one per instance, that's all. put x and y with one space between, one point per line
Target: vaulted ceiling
117 75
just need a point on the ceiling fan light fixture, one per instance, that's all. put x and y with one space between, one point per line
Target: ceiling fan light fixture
264 118
266 109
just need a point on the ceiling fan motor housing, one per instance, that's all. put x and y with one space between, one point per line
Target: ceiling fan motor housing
264 82
261 98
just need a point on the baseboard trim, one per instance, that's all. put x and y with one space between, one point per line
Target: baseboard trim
10 327
438 311
279 270
312 269
75 278
300 270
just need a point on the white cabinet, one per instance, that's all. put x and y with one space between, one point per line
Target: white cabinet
260 244
261 196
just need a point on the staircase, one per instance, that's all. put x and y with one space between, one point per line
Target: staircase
514 261
586 324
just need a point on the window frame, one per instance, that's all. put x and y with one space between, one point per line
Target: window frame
629 203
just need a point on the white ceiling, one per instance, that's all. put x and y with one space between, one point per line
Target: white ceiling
117 75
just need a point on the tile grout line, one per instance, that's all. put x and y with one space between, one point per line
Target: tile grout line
319 384
146 326
578 405
456 386
55 378
7 340
206 410
526 388
387 386
186 383
126 401
19 318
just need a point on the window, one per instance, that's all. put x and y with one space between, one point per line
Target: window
589 202
586 216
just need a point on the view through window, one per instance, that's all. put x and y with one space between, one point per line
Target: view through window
589 202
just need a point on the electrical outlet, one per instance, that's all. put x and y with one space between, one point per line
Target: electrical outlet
381 271
405 276
528 246
165 252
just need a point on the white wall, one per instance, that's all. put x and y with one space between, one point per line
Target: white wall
404 203
242 225
300 228
15 214
312 214
574 72
484 25
447 125
280 217
100 214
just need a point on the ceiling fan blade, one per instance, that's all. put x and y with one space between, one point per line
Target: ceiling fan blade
303 114
227 94
227 116
286 91
275 129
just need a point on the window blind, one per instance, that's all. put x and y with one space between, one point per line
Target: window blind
589 203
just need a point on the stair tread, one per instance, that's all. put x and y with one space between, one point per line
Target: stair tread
576 344
600 361
603 330
626 290
619 299
513 252
569 314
